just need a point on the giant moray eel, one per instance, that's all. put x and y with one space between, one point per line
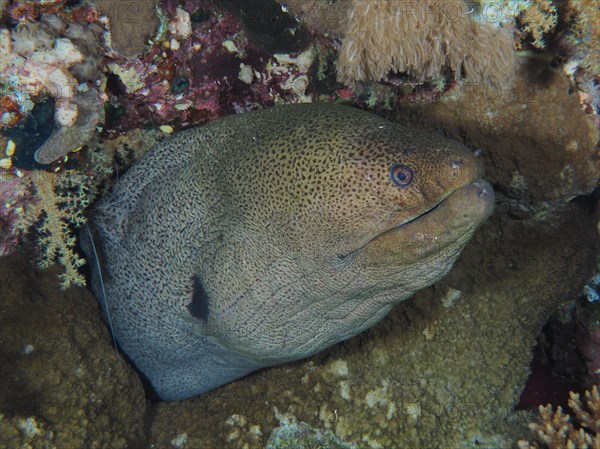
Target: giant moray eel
266 237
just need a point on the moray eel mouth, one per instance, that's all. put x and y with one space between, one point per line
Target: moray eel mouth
449 220
480 187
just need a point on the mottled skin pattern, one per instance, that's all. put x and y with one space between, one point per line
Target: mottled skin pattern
267 237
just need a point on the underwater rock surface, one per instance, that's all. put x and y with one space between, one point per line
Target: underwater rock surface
442 370
536 141
62 382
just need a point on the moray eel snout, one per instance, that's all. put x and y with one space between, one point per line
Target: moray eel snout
266 237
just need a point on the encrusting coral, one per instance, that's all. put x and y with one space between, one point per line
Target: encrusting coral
420 39
558 430
50 57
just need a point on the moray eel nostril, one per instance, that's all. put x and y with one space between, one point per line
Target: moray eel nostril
266 237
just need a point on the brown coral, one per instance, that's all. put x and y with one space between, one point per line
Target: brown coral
132 22
559 431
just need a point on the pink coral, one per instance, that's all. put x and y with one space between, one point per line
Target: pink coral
15 198
213 72
51 57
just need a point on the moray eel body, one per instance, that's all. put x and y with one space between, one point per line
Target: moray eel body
266 237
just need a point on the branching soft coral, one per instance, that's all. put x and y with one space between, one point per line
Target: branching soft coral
558 430
57 207
538 19
63 198
583 17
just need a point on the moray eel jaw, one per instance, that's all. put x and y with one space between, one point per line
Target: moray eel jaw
438 233
345 295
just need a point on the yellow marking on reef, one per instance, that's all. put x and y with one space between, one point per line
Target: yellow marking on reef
10 148
6 163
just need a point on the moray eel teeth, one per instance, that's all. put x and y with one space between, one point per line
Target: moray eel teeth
266 237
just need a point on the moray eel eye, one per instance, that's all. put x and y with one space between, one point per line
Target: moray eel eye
401 175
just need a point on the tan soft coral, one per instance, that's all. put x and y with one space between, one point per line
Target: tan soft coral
56 206
537 20
421 39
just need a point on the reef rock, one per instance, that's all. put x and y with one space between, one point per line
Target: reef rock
62 382
132 24
536 141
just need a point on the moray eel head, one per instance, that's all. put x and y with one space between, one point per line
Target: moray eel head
266 237
348 187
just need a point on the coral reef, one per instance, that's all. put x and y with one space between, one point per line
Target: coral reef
202 70
62 382
558 430
61 199
293 435
569 32
394 385
444 370
16 196
199 71
538 19
587 338
49 57
422 40
323 16
89 114
582 18
537 143
591 289
55 204
419 39
566 357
